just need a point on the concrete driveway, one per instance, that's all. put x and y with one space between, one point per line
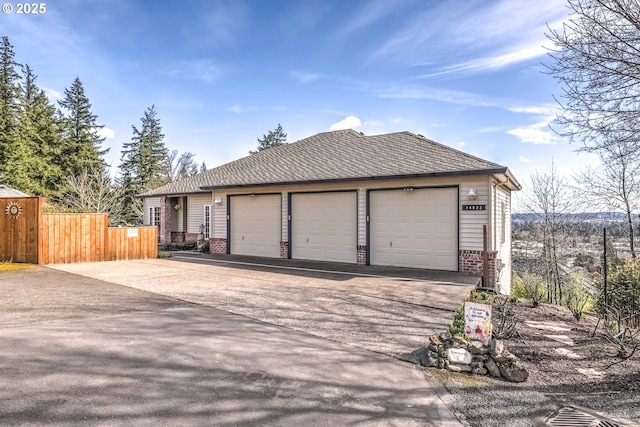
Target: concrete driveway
388 315
164 362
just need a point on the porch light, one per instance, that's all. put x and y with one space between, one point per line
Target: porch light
176 207
408 188
217 201
471 195
252 195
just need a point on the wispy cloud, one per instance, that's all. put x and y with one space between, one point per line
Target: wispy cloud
304 77
349 122
524 159
461 144
238 109
505 31
221 24
199 69
371 12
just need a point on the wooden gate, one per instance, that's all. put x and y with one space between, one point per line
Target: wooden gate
19 229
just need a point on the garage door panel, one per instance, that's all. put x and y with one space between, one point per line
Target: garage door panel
414 228
324 226
256 225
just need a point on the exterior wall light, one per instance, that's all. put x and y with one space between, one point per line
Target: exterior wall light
408 188
471 195
176 207
217 201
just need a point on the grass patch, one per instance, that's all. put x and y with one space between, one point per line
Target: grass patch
458 379
164 254
11 266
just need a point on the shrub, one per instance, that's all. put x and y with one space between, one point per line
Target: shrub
576 297
623 293
533 288
164 254
481 297
457 327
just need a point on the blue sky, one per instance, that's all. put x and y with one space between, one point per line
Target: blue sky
221 74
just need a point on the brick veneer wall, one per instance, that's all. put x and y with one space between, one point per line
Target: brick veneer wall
190 237
471 262
177 237
284 250
361 255
217 245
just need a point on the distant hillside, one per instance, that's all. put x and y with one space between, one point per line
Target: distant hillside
597 217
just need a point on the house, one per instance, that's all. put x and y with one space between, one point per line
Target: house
8 192
396 199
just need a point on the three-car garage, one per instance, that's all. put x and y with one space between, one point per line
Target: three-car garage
405 227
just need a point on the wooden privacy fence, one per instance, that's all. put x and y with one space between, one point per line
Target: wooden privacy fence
52 238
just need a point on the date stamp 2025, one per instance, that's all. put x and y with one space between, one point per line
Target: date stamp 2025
24 8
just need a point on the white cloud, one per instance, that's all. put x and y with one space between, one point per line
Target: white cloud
52 94
537 133
106 133
349 122
374 123
461 144
199 69
304 77
545 109
524 159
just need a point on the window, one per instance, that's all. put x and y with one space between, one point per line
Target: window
154 216
207 221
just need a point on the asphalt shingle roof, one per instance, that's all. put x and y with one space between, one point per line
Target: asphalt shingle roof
336 156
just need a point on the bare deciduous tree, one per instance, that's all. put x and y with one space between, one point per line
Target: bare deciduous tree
550 200
597 61
615 185
92 191
179 166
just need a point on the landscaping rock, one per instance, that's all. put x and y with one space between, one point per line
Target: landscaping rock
479 371
477 348
459 368
513 372
435 340
493 369
505 356
429 361
459 356
496 347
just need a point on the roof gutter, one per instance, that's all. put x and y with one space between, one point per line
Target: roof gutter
502 170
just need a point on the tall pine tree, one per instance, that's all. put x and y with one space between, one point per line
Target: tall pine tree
15 153
39 130
81 143
272 139
143 163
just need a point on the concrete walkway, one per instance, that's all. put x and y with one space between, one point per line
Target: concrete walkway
394 316
189 365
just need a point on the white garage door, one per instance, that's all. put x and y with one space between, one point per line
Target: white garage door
324 226
256 225
416 228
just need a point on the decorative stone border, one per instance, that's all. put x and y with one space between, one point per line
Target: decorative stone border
456 354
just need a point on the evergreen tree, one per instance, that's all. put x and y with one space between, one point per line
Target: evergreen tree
39 131
272 139
143 163
13 150
203 167
81 143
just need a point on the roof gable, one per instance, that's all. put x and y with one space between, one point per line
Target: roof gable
337 156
